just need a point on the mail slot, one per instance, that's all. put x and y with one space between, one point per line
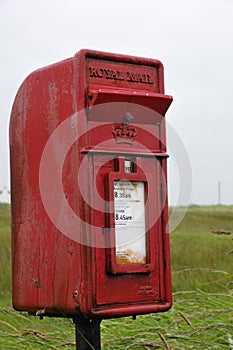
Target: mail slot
90 230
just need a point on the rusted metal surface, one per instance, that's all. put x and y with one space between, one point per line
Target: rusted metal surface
104 110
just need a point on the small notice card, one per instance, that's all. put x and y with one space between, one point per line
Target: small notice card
129 211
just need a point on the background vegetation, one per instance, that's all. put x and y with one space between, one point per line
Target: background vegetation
202 313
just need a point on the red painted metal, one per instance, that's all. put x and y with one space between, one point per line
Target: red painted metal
121 105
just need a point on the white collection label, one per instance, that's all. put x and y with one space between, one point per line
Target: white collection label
129 203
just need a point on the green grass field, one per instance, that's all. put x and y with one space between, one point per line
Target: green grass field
5 258
202 312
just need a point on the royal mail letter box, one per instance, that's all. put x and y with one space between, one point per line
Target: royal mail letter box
89 188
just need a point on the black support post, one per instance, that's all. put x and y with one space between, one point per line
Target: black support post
87 334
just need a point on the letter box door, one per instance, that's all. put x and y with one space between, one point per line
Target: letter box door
129 197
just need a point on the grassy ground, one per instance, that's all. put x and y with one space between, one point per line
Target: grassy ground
198 321
202 313
5 251
201 258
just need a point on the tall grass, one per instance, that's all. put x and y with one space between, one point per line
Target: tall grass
197 320
200 258
5 255
202 313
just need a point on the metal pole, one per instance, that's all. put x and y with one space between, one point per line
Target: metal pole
87 334
219 193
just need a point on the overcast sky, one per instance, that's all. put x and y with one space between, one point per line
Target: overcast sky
193 39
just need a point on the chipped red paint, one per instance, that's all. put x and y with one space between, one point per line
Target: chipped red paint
53 271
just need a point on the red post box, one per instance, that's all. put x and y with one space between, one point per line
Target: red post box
89 188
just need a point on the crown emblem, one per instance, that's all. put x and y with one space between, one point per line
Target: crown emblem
124 133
